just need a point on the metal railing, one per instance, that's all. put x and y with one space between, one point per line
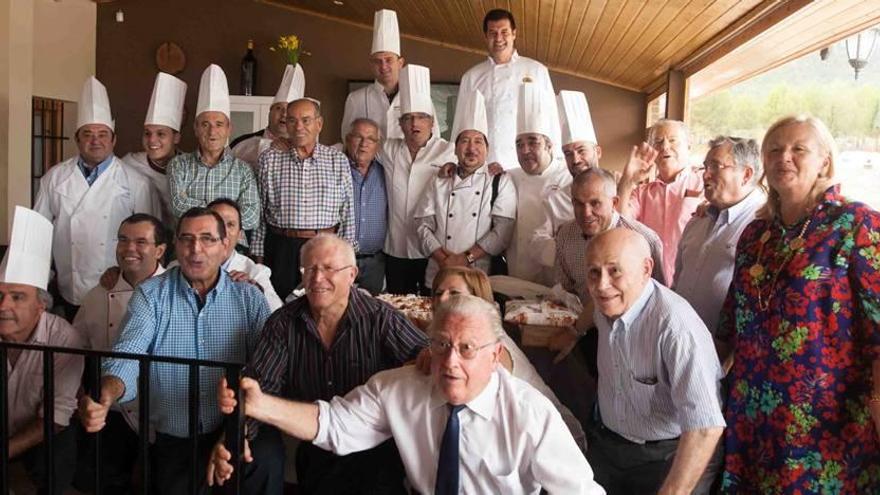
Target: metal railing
233 424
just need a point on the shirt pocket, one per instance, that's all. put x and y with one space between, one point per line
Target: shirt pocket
503 479
641 394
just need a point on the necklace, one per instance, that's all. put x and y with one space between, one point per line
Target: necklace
758 271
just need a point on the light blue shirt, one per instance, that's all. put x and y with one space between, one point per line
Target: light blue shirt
164 318
706 255
659 375
92 174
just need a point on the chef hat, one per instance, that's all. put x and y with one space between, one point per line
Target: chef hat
472 115
213 91
386 35
166 104
293 85
574 118
29 255
415 90
533 114
94 105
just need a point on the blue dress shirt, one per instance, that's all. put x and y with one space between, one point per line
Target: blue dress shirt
370 208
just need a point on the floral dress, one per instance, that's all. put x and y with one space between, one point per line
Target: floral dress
797 415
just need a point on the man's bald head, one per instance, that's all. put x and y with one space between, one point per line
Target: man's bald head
619 265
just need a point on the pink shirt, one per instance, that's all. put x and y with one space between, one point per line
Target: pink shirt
25 382
666 209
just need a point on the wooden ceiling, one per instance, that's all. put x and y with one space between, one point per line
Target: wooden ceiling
626 43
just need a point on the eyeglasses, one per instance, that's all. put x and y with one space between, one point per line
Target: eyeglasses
714 167
141 243
325 270
465 349
205 240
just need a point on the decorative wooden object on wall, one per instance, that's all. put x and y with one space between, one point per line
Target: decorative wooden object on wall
170 58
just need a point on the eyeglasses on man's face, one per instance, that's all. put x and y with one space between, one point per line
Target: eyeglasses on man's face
205 240
467 350
327 271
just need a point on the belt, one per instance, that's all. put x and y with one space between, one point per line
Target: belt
302 233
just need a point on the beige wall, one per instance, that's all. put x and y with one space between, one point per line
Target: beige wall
208 34
64 47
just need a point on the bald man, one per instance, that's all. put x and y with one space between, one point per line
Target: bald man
659 417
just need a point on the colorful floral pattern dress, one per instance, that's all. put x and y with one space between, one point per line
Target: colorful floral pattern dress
797 415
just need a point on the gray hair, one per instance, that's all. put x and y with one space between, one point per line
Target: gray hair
470 306
668 122
607 178
45 298
364 120
315 103
332 239
745 151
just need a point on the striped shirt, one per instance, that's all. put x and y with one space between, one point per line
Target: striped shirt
372 336
659 375
164 319
314 193
570 267
370 208
193 183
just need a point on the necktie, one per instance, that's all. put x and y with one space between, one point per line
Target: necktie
447 464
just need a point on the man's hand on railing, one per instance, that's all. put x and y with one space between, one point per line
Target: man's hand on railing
219 466
93 415
251 392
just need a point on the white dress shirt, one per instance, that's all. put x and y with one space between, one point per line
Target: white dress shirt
706 255
405 181
159 181
512 439
500 84
523 261
558 211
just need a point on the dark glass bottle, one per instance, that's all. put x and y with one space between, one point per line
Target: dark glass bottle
249 70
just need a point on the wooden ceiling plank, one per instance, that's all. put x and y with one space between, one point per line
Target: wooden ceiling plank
571 31
603 24
586 25
631 61
593 20
634 28
609 30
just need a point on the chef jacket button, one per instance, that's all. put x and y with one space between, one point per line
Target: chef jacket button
478 193
453 194
448 237
474 214
112 296
450 215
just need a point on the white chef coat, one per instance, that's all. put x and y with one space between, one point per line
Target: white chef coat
461 214
159 181
99 321
250 149
558 211
372 103
522 262
405 182
258 272
87 219
500 84
512 440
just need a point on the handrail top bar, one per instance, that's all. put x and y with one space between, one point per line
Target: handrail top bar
121 355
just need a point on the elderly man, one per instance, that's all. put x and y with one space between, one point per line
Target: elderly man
212 171
24 319
465 219
667 202
706 253
305 191
539 176
248 147
86 197
500 435
140 246
659 417
370 202
160 138
410 165
191 311
321 345
499 78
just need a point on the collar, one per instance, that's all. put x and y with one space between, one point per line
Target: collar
99 169
630 315
186 288
229 260
458 179
377 86
513 58
123 286
226 156
354 168
483 404
733 213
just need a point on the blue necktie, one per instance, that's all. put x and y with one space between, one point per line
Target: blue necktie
447 464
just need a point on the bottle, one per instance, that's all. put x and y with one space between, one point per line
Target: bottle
249 70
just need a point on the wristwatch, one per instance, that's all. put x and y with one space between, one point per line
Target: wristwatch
470 257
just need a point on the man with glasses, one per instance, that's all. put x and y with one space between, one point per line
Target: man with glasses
468 427
321 345
191 311
704 264
305 190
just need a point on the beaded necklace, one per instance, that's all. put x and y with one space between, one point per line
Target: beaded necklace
758 271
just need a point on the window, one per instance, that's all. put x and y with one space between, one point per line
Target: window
48 138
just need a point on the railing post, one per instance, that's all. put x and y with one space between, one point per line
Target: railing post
4 423
93 367
194 416
144 422
49 419
234 426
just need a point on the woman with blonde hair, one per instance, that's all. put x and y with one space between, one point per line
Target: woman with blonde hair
803 318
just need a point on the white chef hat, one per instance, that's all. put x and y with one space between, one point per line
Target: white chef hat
213 91
94 105
166 103
29 255
574 118
293 85
415 90
472 114
386 35
533 115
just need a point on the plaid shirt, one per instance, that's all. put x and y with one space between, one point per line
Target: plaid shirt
314 193
193 183
370 207
164 319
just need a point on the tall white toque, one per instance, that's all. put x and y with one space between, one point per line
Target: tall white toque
293 85
94 105
166 103
213 92
472 116
532 115
415 90
29 255
574 118
386 35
